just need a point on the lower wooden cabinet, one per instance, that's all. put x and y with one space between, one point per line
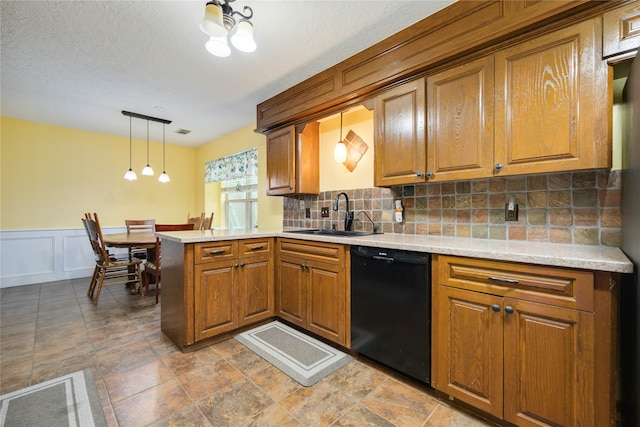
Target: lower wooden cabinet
312 288
518 341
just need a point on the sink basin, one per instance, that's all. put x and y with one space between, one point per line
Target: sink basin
340 233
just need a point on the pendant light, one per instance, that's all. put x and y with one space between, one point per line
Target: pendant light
147 169
340 150
130 175
163 178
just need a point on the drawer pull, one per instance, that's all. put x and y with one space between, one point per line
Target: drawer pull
503 280
496 308
217 252
508 309
256 248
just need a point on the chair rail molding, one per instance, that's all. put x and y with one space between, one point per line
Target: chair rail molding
47 255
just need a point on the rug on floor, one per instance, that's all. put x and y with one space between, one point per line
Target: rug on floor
70 400
301 357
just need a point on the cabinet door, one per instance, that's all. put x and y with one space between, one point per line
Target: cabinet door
467 348
215 298
460 133
281 167
327 301
291 290
552 103
548 365
256 289
399 139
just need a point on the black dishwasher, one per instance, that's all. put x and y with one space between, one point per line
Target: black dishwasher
391 309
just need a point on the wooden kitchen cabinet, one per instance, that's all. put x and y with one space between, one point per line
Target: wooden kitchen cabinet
518 341
621 32
293 160
312 288
216 288
538 106
399 135
552 103
460 105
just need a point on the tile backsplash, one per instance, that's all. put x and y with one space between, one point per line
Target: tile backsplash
570 207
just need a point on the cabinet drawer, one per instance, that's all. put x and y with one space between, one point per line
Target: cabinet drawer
215 251
550 285
324 252
255 247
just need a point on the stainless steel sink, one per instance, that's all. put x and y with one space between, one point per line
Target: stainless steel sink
340 233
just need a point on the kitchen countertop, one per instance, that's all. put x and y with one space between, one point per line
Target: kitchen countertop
603 258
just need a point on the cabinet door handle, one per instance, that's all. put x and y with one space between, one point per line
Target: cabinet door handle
508 309
256 248
503 280
217 252
306 266
499 166
419 174
496 308
429 174
242 264
235 265
302 266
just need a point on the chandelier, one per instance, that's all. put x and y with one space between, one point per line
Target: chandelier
219 21
130 175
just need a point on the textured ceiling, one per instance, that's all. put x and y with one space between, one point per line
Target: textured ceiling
77 64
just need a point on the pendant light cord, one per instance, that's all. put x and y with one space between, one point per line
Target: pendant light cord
341 126
147 142
130 152
163 153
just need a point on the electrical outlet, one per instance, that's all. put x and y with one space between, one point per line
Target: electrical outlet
324 212
511 210
307 213
302 204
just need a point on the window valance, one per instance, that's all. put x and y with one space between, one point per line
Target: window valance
235 166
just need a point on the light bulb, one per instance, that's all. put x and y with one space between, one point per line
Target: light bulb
340 152
130 175
147 171
164 177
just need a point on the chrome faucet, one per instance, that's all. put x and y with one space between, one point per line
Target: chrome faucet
348 217
375 229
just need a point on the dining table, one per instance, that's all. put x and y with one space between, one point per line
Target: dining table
132 240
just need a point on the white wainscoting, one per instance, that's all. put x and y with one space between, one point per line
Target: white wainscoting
39 256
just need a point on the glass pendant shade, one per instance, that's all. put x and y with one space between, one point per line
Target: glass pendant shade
243 37
147 170
340 152
130 175
212 21
163 178
218 46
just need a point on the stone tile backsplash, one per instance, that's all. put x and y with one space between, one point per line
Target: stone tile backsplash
571 207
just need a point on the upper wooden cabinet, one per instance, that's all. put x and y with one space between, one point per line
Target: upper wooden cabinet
553 103
399 155
621 31
293 161
460 105
452 33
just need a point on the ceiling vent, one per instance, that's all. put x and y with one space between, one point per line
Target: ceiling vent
183 131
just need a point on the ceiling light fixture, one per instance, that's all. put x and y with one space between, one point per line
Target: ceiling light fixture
340 150
218 22
130 174
163 178
147 169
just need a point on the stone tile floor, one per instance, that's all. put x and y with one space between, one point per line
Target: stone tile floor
51 329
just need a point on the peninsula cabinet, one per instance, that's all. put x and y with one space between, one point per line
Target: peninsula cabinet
528 344
312 288
538 106
293 160
220 286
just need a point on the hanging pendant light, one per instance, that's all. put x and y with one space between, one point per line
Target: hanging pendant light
130 175
147 169
163 178
340 150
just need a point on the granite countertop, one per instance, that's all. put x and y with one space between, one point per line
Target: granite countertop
603 258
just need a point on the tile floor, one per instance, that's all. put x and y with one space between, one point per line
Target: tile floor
53 329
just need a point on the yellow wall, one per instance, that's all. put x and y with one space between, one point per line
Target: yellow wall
335 176
51 175
269 207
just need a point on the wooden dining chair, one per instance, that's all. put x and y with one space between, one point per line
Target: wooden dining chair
207 223
196 221
139 226
108 268
152 267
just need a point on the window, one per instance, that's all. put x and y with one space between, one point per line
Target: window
240 201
